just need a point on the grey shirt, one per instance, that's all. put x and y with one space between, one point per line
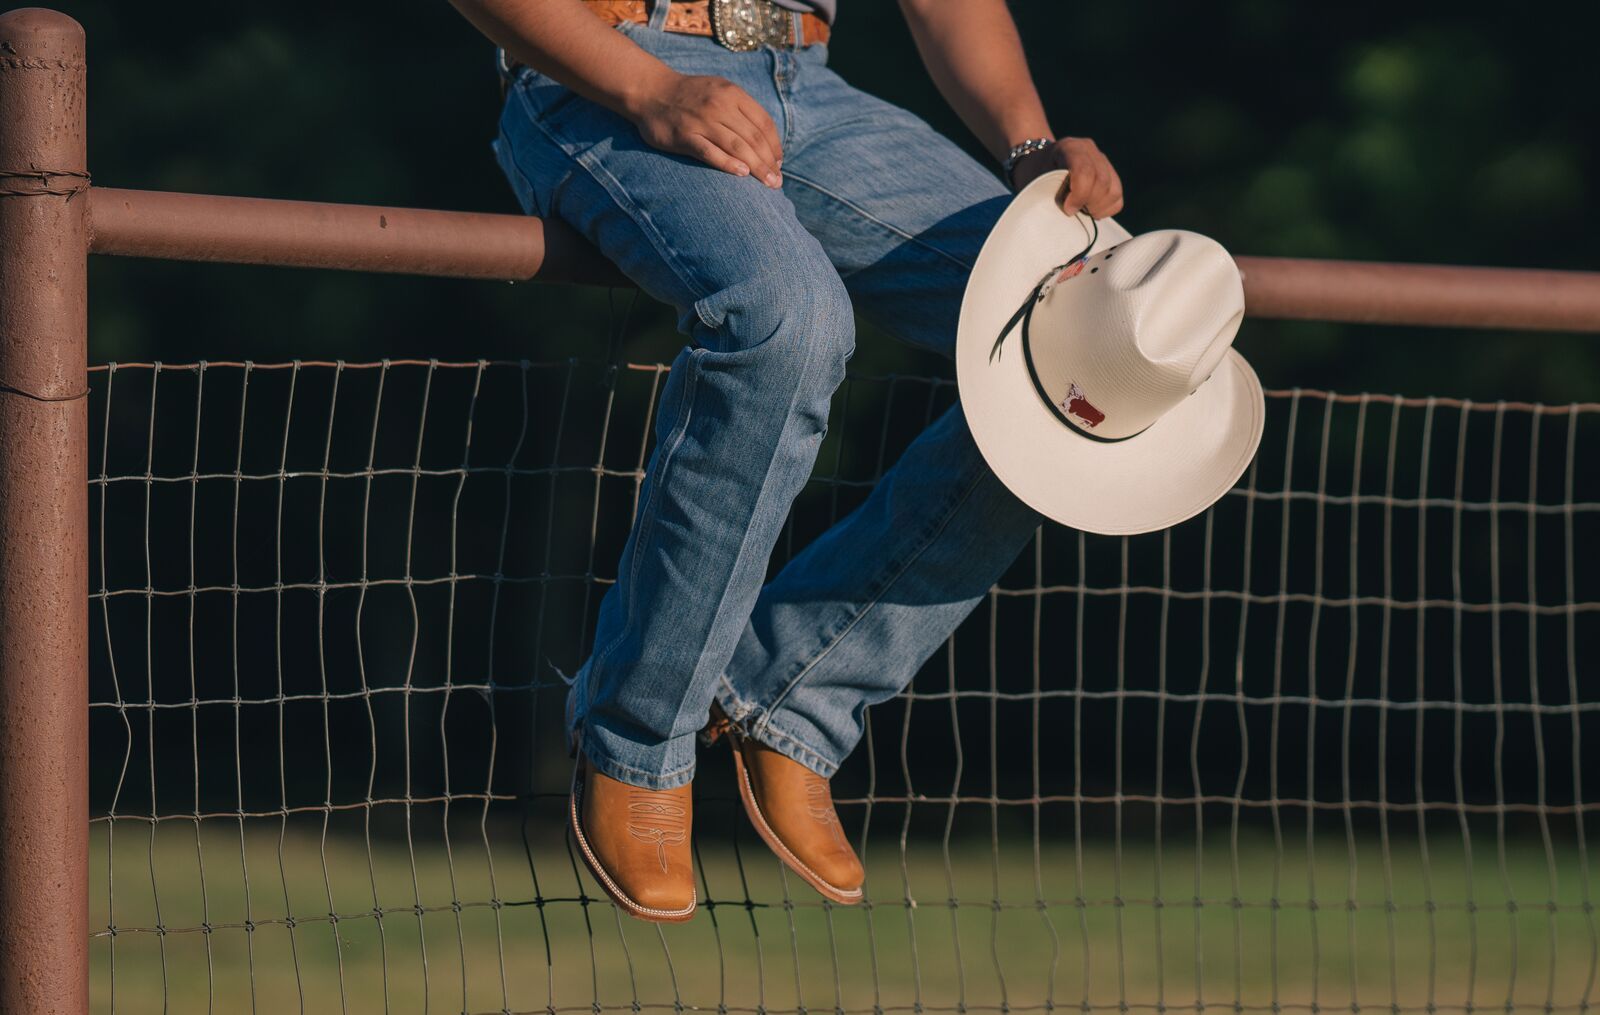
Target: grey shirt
824 8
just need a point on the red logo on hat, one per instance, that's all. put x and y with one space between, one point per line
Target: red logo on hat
1070 270
1079 406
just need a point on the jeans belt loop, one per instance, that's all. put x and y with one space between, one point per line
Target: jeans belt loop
658 14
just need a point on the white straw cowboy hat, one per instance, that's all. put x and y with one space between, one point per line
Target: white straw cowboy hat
1096 369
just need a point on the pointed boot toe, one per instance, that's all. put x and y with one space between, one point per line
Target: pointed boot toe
792 810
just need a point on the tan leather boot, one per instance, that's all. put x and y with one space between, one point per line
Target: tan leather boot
636 843
791 808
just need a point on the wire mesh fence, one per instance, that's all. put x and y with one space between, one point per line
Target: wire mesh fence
1320 748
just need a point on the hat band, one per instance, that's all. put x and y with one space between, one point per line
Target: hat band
1024 314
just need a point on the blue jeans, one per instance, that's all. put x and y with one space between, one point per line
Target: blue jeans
878 215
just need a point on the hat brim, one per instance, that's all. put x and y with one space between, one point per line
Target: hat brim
1176 469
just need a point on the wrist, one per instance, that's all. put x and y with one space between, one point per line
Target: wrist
1015 129
1021 151
643 91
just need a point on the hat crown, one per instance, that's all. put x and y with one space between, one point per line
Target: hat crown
1124 337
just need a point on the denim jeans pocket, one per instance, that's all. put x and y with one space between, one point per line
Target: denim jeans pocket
544 127
566 118
521 186
542 98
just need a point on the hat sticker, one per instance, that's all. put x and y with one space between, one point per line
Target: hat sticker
1055 278
1076 404
1061 272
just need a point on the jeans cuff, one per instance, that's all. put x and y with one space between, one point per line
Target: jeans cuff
638 776
595 753
765 727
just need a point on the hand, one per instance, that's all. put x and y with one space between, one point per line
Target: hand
1093 185
714 120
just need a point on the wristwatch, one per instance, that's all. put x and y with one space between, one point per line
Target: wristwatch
1020 150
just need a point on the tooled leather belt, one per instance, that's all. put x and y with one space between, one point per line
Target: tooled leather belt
740 25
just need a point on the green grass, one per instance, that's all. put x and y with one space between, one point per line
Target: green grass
567 955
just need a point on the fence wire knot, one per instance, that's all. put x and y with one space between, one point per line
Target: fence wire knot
42 183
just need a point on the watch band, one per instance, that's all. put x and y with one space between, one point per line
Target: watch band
1022 149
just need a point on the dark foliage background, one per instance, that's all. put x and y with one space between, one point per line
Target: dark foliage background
1449 132
1456 133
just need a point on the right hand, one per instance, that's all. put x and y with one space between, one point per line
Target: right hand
714 120
1092 184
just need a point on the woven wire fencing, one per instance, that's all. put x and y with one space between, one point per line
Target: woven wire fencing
1320 748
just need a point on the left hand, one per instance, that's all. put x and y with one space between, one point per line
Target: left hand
1093 185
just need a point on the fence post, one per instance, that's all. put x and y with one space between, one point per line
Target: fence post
44 518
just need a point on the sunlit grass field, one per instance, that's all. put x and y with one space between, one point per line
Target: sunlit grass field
986 927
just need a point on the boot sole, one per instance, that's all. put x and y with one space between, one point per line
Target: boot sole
752 810
616 894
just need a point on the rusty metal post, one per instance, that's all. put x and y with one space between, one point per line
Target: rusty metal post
44 517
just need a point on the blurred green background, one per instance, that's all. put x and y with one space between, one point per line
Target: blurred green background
1017 940
1444 132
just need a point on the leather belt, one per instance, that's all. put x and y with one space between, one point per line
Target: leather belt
739 25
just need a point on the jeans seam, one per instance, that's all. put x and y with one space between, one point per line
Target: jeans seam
515 165
678 432
766 480
642 222
867 606
868 216
782 76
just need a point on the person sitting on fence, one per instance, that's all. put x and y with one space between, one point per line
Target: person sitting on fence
707 149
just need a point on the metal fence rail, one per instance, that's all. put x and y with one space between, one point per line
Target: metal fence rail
51 219
243 230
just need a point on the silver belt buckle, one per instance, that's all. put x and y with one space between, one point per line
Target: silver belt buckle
743 25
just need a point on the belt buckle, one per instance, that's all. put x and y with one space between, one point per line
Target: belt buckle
744 25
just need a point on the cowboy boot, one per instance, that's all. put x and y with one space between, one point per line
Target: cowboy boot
791 808
636 843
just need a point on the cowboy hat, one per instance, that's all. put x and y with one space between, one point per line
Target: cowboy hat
1096 368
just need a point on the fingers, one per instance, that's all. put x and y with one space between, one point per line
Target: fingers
707 151
1094 185
763 135
721 148
717 122
1080 184
744 130
757 165
1107 201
